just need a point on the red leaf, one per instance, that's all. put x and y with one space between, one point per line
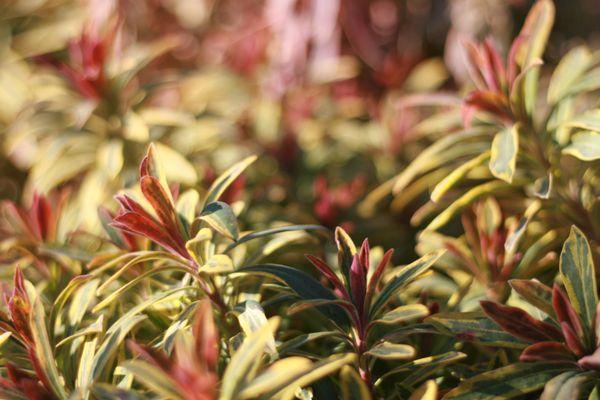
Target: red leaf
129 204
520 324
496 63
358 282
134 223
548 352
206 336
41 216
572 340
379 270
328 272
565 311
160 202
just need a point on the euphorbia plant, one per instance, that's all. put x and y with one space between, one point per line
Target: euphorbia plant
562 352
494 249
201 245
520 140
191 373
362 291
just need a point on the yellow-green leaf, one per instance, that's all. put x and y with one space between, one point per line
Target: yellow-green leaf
569 69
320 370
153 378
457 174
585 146
245 361
578 275
503 158
277 375
222 182
43 349
353 387
404 313
392 351
427 391
221 218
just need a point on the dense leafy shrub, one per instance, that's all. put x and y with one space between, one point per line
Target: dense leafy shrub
185 186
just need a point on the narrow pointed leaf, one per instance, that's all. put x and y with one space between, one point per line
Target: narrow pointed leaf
578 275
507 382
222 182
519 323
403 278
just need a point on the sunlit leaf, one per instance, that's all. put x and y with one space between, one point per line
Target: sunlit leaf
578 275
584 145
392 351
221 218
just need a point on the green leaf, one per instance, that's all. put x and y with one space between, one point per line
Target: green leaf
81 300
536 30
512 241
392 351
221 218
186 206
507 382
222 182
303 339
352 385
473 194
457 174
277 376
320 370
153 378
217 264
120 328
579 277
528 267
405 276
475 326
110 345
589 120
103 391
587 83
536 293
403 313
427 391
570 68
66 293
432 157
584 145
85 366
542 187
503 158
346 251
438 361
568 385
43 349
244 362
273 231
305 286
252 319
115 294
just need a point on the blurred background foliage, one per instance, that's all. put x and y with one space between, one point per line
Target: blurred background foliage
317 89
